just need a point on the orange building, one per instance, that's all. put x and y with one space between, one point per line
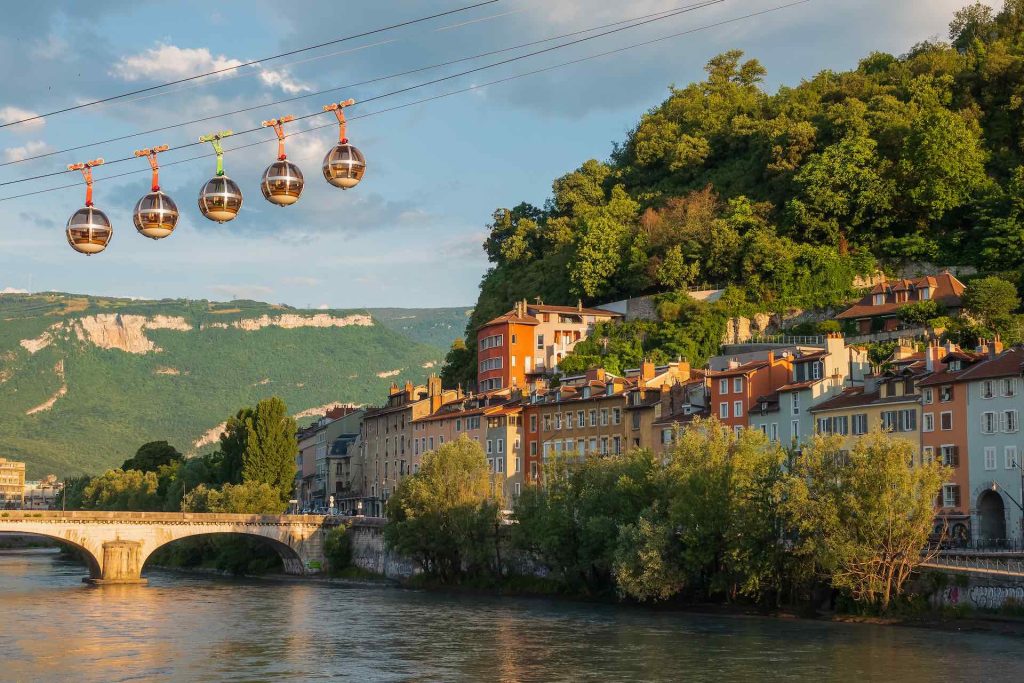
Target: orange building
531 340
735 390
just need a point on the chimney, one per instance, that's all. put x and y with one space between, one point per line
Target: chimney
579 304
683 369
408 388
646 370
931 357
735 362
995 347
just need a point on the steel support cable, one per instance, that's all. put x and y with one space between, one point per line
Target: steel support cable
434 97
382 29
333 89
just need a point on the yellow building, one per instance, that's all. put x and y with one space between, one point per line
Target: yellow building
891 402
12 484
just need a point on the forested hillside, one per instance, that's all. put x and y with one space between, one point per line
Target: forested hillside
84 381
786 195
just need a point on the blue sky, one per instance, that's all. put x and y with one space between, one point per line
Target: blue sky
410 234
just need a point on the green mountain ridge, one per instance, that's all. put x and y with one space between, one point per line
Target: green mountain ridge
85 380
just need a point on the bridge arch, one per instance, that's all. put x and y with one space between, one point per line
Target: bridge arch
87 555
292 561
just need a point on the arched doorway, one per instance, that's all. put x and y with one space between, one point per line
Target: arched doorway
992 527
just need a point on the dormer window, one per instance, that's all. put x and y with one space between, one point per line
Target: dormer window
924 294
586 392
878 300
954 365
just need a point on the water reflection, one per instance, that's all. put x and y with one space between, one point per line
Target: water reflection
188 628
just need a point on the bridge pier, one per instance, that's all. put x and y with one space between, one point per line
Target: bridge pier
122 564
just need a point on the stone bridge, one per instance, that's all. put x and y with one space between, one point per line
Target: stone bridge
116 545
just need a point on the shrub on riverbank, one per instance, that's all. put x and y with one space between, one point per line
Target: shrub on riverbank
338 550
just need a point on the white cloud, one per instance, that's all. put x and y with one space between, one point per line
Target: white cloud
12 114
283 80
29 149
170 62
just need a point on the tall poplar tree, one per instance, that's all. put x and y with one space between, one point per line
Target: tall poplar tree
270 447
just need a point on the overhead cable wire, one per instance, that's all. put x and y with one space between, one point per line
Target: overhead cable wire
318 93
479 86
382 29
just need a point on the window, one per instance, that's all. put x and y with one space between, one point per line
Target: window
533 470
796 402
533 448
889 420
878 299
824 425
569 420
928 422
616 416
617 444
593 445
636 419
518 488
737 409
841 425
796 429
988 422
927 455
929 396
604 445
519 465
860 423
955 365
1010 386
946 421
950 496
723 410
737 385
907 421
774 432
1010 457
547 423
946 393
558 420
491 342
581 418
666 436
988 389
540 341
604 417
501 445
816 370
990 458
593 417
924 294
533 423
723 386
491 364
1010 423
950 455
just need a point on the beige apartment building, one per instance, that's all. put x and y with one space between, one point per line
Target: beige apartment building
386 439
12 484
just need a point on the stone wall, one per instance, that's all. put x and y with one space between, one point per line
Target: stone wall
980 592
370 553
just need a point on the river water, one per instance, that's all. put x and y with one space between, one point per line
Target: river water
193 628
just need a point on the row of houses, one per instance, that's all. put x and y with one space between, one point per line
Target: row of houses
961 407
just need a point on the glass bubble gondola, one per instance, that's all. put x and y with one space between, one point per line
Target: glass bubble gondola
88 230
344 165
220 199
282 182
155 214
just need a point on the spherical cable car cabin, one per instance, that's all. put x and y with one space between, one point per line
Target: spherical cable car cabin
155 214
88 230
282 182
344 165
220 199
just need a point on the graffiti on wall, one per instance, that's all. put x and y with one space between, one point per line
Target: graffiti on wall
983 597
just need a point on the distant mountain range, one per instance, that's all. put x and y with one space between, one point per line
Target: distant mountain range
85 380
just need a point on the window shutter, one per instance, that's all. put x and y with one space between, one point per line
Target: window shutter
954 456
938 498
956 496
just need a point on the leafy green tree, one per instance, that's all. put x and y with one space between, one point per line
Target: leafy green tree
270 447
571 524
247 498
459 366
152 456
603 238
990 299
233 444
72 496
867 513
338 550
123 490
446 516
920 312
